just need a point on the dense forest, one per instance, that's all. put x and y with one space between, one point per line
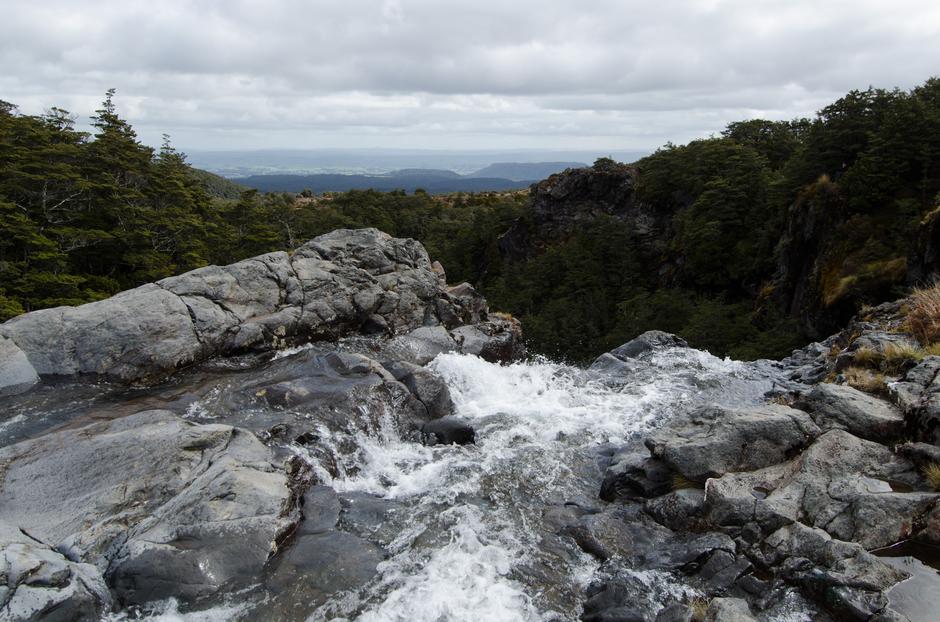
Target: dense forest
754 240
84 216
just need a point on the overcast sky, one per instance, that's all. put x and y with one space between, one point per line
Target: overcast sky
592 74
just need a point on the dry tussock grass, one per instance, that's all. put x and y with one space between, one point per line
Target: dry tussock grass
865 380
924 314
932 474
867 357
681 482
699 607
897 355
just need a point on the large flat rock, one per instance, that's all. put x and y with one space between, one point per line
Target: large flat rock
160 506
834 406
344 282
718 440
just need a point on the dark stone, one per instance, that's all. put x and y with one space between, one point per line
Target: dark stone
633 474
448 431
650 341
316 567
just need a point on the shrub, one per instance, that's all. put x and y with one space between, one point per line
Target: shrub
924 315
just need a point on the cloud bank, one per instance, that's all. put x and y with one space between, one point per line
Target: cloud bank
458 75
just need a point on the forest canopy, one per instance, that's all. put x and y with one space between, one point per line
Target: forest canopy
774 230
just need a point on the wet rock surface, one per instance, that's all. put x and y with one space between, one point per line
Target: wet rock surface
374 472
205 484
160 506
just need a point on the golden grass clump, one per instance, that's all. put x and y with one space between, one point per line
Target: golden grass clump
699 607
932 475
867 357
924 314
865 380
897 355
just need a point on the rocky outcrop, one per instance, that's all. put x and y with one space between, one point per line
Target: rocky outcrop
564 201
805 491
195 484
845 408
842 484
918 393
40 583
161 507
717 440
348 281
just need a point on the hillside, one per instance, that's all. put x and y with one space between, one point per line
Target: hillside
408 181
747 243
217 186
500 176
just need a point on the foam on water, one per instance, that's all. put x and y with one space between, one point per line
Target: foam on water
533 421
475 513
168 611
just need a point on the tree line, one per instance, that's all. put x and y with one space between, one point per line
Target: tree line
775 231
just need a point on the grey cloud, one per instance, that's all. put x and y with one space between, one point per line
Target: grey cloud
607 73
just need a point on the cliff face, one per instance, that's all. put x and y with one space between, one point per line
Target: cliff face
567 202
805 268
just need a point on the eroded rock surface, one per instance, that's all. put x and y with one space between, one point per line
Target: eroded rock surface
718 440
161 507
40 583
348 281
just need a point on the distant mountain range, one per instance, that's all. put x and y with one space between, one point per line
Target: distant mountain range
498 176
382 161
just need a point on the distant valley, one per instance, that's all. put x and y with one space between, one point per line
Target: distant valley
497 176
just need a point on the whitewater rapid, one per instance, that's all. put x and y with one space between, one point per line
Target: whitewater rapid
472 537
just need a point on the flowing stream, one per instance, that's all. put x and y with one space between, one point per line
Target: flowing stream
473 538
470 531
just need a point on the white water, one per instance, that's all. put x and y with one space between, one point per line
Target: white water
536 425
472 544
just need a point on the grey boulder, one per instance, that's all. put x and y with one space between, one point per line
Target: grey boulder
162 507
448 431
650 341
41 584
17 374
428 387
718 440
343 282
633 474
834 406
